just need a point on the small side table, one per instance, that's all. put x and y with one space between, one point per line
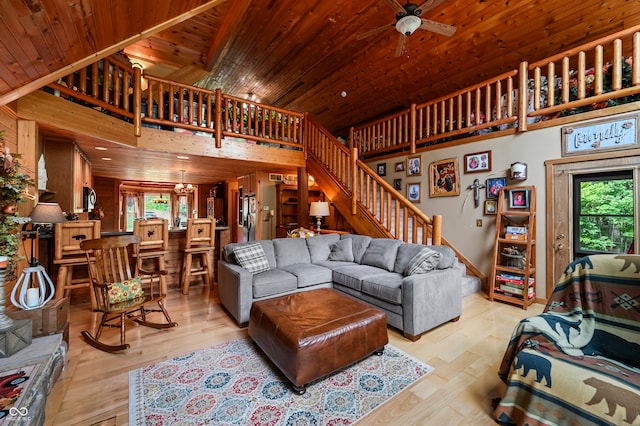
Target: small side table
49 355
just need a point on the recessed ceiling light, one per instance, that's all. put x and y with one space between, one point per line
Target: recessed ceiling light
183 157
101 148
106 158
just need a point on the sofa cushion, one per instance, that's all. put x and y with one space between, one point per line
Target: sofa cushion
309 274
267 246
360 244
342 250
386 287
334 264
381 253
406 252
273 282
320 246
352 275
448 258
290 251
252 257
424 261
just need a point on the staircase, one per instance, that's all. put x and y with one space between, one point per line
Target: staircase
370 205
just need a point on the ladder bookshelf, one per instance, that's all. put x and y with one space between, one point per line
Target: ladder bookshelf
514 256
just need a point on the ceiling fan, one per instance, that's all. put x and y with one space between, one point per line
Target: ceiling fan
408 20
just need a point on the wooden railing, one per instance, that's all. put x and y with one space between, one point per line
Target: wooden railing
596 75
115 86
105 85
399 217
593 76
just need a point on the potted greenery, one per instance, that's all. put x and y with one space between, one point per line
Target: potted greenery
13 185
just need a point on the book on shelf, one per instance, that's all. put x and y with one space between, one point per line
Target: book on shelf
513 279
510 291
515 289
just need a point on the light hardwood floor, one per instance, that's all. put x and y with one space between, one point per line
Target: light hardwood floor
93 389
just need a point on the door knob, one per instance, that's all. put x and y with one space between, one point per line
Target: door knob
560 237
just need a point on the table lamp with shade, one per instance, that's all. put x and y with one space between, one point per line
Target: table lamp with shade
319 209
34 288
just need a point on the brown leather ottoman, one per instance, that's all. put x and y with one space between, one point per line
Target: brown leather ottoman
310 334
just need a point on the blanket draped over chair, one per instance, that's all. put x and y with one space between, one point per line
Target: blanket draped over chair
579 361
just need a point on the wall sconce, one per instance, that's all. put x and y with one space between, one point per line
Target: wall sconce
518 171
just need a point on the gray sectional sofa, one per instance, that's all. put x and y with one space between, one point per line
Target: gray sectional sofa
419 287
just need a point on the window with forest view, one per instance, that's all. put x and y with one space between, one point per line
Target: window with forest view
604 216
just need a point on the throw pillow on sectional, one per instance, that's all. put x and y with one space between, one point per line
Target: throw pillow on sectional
342 250
424 261
252 257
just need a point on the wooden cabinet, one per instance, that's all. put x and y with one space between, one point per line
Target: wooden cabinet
514 257
287 208
68 171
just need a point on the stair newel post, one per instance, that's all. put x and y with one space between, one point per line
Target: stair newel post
436 230
354 180
523 95
137 99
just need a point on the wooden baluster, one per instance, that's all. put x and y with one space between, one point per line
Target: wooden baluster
635 70
551 86
537 83
617 64
582 71
565 79
598 71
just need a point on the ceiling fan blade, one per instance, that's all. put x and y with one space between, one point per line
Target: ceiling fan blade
396 7
373 31
438 27
402 43
427 5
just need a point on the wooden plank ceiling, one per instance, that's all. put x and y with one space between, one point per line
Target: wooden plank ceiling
300 55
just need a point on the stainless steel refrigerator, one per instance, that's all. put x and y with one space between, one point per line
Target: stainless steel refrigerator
249 211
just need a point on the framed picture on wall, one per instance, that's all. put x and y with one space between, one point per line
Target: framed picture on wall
413 192
444 180
397 184
382 169
494 185
490 207
519 199
477 162
400 166
413 166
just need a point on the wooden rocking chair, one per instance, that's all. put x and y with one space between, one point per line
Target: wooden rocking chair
119 292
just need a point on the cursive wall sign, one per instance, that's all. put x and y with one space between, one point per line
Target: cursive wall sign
604 135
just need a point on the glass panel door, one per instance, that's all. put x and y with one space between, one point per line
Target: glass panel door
603 213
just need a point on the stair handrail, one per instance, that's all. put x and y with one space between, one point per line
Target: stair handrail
326 156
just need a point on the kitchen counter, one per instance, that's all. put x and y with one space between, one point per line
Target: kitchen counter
173 260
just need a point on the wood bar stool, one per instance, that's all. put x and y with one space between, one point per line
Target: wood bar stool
68 255
199 242
154 245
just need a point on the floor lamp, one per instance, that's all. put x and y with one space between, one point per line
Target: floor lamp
319 209
34 287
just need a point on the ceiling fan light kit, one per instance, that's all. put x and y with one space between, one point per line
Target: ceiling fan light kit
408 20
408 24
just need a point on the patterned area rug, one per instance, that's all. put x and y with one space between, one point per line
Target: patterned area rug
234 384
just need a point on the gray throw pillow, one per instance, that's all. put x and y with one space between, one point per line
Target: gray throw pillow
342 250
381 253
426 260
252 257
